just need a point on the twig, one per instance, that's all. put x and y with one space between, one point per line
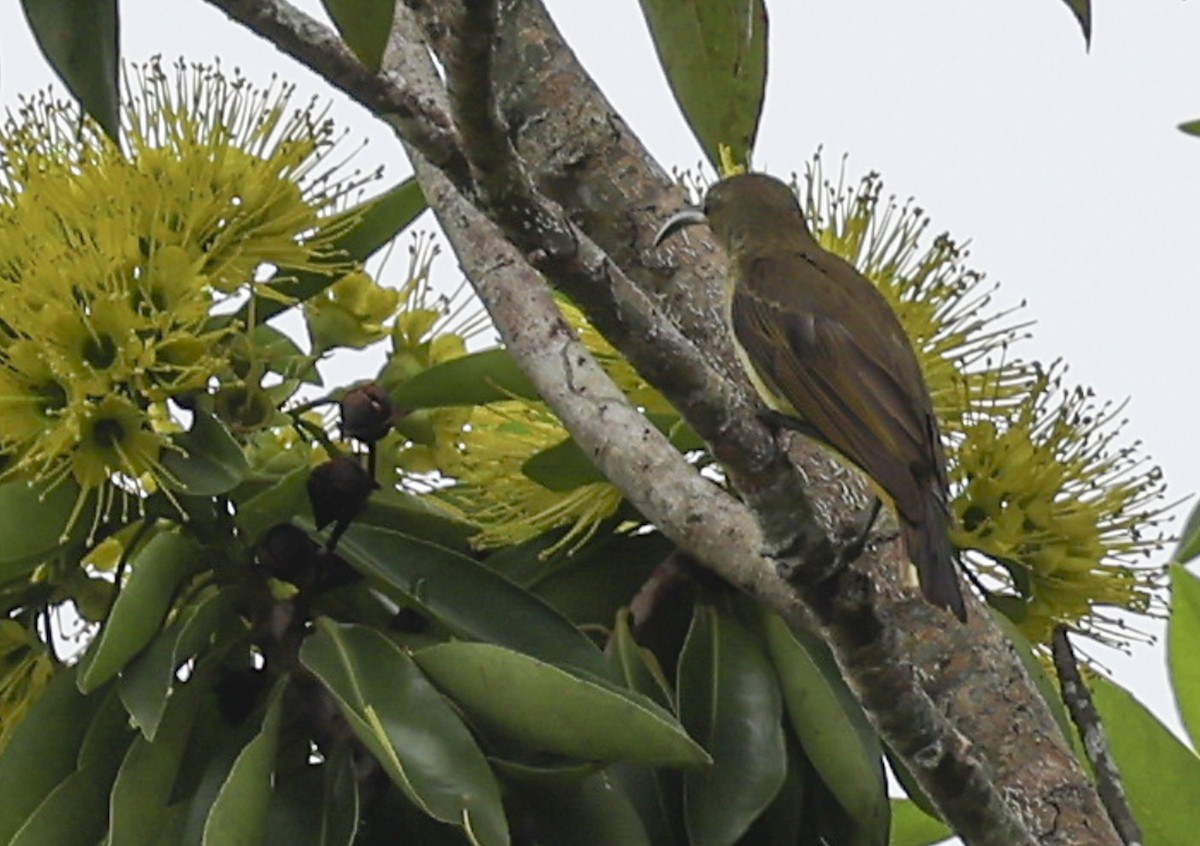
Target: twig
1078 700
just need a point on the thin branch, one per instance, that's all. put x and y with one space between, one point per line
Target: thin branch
1086 718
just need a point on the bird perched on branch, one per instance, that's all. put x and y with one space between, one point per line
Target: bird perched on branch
824 349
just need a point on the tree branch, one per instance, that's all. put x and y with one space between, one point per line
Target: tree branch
1086 718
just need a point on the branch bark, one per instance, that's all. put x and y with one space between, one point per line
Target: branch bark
538 176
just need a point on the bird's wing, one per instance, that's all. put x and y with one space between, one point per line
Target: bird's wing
843 386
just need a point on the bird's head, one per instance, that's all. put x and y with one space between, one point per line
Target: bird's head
745 212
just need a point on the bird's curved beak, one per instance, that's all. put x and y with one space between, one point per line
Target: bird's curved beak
689 216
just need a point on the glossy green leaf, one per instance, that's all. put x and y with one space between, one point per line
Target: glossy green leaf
831 726
554 710
79 38
364 26
562 467
714 53
282 355
730 701
913 827
146 683
108 734
155 571
74 813
593 812
1189 538
468 597
1160 774
378 221
787 818
1082 10
596 582
238 815
318 807
283 500
418 517
656 792
43 750
473 379
207 461
637 666
34 522
1183 648
416 736
140 804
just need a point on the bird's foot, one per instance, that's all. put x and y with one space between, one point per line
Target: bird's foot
850 551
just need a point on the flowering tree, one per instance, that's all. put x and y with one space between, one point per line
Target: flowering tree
567 590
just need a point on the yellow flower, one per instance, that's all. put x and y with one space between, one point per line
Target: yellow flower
112 262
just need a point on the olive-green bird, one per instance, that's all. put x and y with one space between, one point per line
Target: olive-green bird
821 344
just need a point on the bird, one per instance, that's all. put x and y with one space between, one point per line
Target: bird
824 349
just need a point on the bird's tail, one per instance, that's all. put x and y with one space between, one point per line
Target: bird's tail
929 548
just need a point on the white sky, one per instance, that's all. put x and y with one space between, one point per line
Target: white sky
1062 167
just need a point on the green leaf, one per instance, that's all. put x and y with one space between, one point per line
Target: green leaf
146 684
417 516
637 666
34 522
43 750
562 467
554 710
656 792
730 701
109 734
284 499
1189 539
788 815
79 40
379 220
318 807
473 379
913 827
141 795
156 569
594 583
1191 127
593 812
364 26
1082 10
1183 647
238 815
468 597
714 53
417 738
74 813
208 461
1160 774
831 726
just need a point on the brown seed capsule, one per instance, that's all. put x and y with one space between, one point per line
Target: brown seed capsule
287 552
338 490
367 413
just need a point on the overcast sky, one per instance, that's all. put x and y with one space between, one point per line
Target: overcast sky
1063 167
